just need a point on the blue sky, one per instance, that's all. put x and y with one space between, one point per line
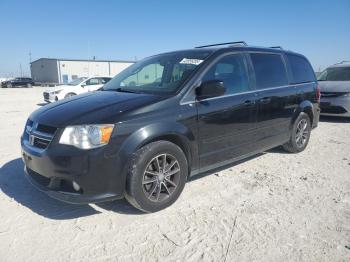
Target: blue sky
128 29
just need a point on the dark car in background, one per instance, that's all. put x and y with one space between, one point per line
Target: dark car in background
18 82
169 117
335 90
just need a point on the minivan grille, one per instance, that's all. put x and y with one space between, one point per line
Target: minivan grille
39 135
40 143
333 110
332 94
46 129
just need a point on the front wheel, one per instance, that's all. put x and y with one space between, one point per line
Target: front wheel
9 85
157 176
300 134
29 85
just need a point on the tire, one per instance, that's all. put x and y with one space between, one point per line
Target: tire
29 85
69 95
9 85
300 134
149 190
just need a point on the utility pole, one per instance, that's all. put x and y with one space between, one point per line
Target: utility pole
88 58
20 70
30 57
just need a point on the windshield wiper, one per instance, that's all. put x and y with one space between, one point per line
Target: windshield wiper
119 89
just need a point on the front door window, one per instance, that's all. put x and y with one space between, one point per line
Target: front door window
232 71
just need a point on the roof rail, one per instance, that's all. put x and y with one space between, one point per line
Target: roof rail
239 43
277 47
342 62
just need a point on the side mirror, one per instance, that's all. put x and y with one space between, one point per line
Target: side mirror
83 85
210 88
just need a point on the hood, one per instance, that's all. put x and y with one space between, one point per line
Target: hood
56 88
101 107
334 86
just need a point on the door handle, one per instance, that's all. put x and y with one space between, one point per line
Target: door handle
265 100
249 102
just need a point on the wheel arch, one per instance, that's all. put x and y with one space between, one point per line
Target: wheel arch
73 93
175 133
306 107
176 139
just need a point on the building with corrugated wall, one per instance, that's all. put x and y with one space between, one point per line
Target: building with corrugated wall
62 71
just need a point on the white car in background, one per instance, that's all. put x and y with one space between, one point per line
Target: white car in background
76 87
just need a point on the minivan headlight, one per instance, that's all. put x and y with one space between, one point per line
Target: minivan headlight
87 136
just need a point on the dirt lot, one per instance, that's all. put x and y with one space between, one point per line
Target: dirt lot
273 207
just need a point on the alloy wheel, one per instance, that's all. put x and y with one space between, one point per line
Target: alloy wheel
161 177
302 133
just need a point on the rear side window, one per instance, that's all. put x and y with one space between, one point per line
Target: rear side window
105 80
269 70
302 71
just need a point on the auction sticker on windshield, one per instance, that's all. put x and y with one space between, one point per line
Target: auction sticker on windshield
191 61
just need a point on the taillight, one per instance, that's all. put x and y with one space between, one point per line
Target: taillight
318 94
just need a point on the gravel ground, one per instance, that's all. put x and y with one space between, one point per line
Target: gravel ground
273 207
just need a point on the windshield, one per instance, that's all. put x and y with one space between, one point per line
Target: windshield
161 74
335 74
77 81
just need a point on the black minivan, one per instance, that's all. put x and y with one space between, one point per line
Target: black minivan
169 117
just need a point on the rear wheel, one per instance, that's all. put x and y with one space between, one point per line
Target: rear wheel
9 85
29 85
157 176
300 134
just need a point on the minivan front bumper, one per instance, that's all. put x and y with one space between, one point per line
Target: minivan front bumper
335 106
54 170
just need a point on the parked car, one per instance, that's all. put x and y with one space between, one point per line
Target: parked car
4 79
169 117
335 90
76 87
18 82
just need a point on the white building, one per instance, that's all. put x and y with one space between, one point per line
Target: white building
61 71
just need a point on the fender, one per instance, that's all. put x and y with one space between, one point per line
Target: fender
171 131
305 106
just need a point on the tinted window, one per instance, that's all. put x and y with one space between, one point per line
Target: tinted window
335 74
150 74
182 71
92 81
232 71
301 69
269 70
105 80
161 74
